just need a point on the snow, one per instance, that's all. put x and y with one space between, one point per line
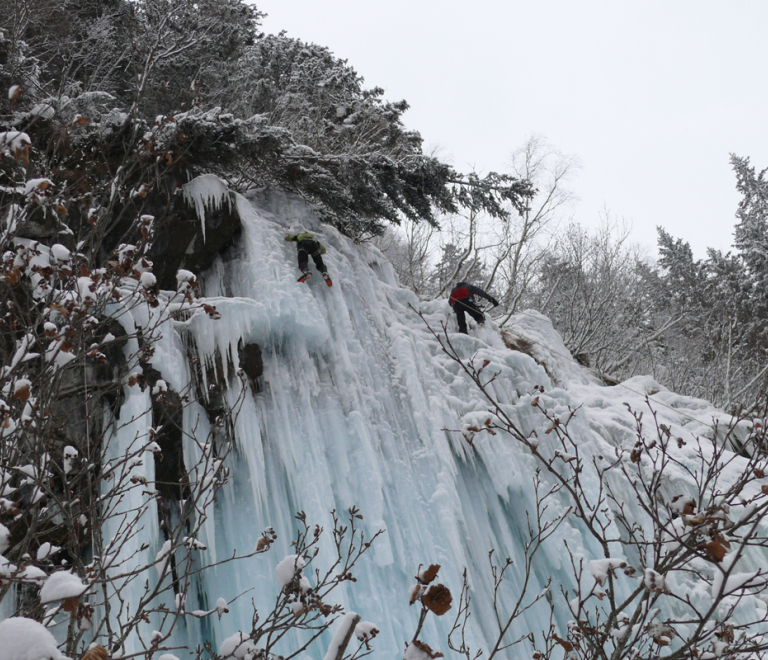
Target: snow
13 142
43 110
26 639
655 581
147 280
33 574
185 276
36 185
600 568
46 550
365 631
347 621
238 646
414 653
288 567
70 455
357 407
222 607
162 558
4 536
61 253
6 567
161 387
60 586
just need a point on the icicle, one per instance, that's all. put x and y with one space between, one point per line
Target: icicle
206 192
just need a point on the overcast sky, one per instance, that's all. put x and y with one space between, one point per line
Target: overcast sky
651 96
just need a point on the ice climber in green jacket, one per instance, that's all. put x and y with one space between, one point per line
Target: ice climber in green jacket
307 244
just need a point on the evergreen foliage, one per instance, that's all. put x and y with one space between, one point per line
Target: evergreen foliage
257 110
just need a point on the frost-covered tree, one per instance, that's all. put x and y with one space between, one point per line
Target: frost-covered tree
594 288
259 111
353 155
750 238
718 349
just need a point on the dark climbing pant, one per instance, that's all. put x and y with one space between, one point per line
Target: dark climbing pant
307 248
462 306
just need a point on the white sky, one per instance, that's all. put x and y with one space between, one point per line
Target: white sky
652 96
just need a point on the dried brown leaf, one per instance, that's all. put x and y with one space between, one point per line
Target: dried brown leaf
438 599
427 649
715 551
22 393
563 642
70 604
262 545
98 652
426 576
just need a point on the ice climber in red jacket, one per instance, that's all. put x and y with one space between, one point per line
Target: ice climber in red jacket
463 300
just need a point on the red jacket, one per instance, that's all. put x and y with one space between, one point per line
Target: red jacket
465 291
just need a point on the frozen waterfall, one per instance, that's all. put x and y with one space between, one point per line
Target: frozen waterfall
358 405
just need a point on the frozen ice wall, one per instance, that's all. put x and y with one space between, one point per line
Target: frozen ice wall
359 406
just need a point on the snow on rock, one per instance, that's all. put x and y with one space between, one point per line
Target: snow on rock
26 639
60 586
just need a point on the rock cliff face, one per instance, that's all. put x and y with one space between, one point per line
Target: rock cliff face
349 401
